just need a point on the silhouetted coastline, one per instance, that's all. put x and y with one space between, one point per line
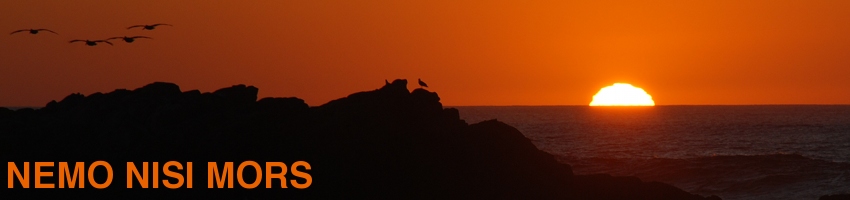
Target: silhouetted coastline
385 143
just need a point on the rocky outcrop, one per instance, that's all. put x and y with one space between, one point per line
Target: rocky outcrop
385 143
835 197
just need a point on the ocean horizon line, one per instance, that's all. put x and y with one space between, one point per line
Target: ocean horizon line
577 105
565 105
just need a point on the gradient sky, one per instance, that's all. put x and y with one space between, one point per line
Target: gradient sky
489 52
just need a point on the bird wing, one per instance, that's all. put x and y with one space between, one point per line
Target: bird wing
134 37
107 42
72 41
18 31
162 24
47 31
112 38
135 26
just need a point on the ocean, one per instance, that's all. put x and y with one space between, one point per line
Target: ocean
735 152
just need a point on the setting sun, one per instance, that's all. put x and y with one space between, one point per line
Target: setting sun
622 94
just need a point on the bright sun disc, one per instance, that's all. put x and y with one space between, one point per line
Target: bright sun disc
622 94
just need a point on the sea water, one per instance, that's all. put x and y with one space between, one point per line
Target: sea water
735 152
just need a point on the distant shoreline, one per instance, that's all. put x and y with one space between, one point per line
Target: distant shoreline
21 107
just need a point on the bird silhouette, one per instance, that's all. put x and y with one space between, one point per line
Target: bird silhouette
422 84
386 82
33 31
91 42
148 27
128 39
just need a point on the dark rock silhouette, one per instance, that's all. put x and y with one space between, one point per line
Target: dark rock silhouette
385 143
239 94
835 197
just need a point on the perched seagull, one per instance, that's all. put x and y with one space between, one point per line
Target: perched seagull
148 27
128 39
91 42
422 84
33 31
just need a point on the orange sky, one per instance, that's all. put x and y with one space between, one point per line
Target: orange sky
470 52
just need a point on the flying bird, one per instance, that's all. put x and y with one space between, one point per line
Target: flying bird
148 27
33 31
91 42
422 84
128 39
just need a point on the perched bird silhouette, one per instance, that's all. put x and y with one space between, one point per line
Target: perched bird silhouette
91 42
422 84
128 39
33 31
148 27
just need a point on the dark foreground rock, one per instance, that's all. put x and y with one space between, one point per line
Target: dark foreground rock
386 143
835 197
